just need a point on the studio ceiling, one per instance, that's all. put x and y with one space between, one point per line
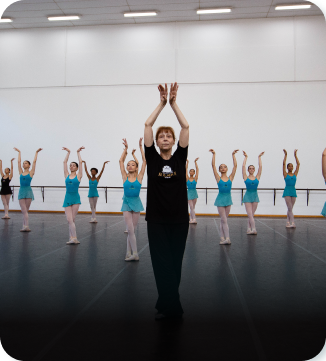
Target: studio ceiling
34 13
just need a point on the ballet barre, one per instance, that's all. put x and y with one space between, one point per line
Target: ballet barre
307 190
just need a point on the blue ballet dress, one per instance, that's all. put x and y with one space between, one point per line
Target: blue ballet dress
289 190
93 189
25 190
72 196
323 212
192 191
251 195
223 198
131 199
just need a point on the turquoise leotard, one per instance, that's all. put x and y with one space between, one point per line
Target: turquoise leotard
192 191
251 194
224 198
93 188
25 190
72 196
289 190
131 199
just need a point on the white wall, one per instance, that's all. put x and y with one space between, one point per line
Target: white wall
257 85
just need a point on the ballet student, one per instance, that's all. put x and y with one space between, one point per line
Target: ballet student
132 205
6 191
25 195
192 180
323 165
72 199
290 194
223 200
167 207
251 198
93 192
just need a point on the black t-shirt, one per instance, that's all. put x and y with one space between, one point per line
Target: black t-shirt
167 200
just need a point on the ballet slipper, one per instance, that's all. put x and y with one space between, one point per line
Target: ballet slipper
23 229
92 220
27 229
194 221
6 217
95 221
125 231
254 231
249 231
128 255
293 225
225 241
288 225
134 257
73 240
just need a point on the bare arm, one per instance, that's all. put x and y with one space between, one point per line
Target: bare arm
134 155
235 165
284 163
148 133
244 173
80 166
217 177
86 171
184 133
1 168
260 163
65 162
32 172
11 169
297 161
323 164
187 163
100 175
122 161
143 166
20 169
197 170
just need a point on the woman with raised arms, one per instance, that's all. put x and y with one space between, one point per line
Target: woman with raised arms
132 205
192 180
25 195
223 200
72 199
290 193
251 198
167 204
6 191
93 192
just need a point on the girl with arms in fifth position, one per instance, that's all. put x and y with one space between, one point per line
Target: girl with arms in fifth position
192 180
72 199
6 191
25 194
132 205
93 192
250 198
223 200
290 193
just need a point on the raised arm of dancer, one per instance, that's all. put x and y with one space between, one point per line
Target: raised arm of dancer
65 162
80 166
197 170
32 172
148 133
217 176
122 160
20 169
143 166
260 165
1 172
133 154
235 165
284 163
187 163
86 171
100 175
244 172
297 161
11 168
323 164
184 133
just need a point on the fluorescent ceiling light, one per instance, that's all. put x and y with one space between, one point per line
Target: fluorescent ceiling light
292 7
144 13
5 21
70 17
213 11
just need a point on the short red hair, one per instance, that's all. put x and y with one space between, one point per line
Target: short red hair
164 129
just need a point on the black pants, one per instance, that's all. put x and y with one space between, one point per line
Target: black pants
167 243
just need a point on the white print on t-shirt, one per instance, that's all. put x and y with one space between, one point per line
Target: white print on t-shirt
167 172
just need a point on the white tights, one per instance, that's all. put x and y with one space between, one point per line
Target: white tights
71 213
5 200
251 209
290 203
24 206
192 205
224 228
92 203
131 220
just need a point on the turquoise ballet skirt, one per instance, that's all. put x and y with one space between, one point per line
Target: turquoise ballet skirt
289 190
132 204
323 212
250 196
192 191
72 196
25 190
224 198
93 192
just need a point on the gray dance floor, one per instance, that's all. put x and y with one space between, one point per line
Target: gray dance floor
261 298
